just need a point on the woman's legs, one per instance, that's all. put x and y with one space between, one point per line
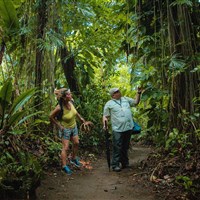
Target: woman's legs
75 140
65 147
74 160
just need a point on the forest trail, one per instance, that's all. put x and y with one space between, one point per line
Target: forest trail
98 183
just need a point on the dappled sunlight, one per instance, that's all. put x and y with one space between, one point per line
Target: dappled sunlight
86 164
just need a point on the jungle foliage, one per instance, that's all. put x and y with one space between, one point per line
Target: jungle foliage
91 46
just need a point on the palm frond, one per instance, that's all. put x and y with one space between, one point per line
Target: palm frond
21 100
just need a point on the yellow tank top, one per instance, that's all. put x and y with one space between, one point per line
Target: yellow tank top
69 117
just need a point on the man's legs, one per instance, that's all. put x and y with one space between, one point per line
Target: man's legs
126 137
117 143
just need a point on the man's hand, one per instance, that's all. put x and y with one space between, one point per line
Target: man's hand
105 123
139 90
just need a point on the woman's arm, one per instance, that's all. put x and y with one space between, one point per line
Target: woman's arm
80 118
53 119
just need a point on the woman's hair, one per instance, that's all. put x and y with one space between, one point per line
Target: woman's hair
61 92
60 114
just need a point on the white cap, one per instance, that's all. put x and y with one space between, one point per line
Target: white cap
113 90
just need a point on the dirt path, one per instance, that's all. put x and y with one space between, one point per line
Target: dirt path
99 183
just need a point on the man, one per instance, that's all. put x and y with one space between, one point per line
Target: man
118 110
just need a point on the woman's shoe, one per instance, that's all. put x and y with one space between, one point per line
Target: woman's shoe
75 162
67 170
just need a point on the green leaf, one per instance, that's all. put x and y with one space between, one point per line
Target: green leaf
14 118
182 2
6 92
86 11
17 132
8 14
21 100
177 64
90 71
9 156
27 117
17 3
5 97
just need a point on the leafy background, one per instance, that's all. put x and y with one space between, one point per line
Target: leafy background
91 46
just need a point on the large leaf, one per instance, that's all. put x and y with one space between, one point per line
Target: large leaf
21 100
8 14
27 117
5 97
16 117
6 92
177 64
182 2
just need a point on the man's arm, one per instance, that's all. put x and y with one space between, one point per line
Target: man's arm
138 96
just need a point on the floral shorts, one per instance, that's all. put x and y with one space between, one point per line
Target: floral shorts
68 132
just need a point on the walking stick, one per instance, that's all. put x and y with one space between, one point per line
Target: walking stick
107 135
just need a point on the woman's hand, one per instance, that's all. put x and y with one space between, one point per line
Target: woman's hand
61 128
82 120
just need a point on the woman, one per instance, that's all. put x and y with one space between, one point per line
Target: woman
67 126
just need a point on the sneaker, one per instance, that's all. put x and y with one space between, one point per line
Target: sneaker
116 169
75 162
126 166
67 170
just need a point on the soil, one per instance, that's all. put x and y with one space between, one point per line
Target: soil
95 182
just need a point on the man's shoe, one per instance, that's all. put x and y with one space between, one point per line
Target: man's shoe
75 162
117 169
126 166
67 170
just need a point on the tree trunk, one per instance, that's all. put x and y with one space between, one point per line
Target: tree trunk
185 84
68 64
2 50
42 20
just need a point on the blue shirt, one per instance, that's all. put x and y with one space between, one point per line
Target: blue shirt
120 113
